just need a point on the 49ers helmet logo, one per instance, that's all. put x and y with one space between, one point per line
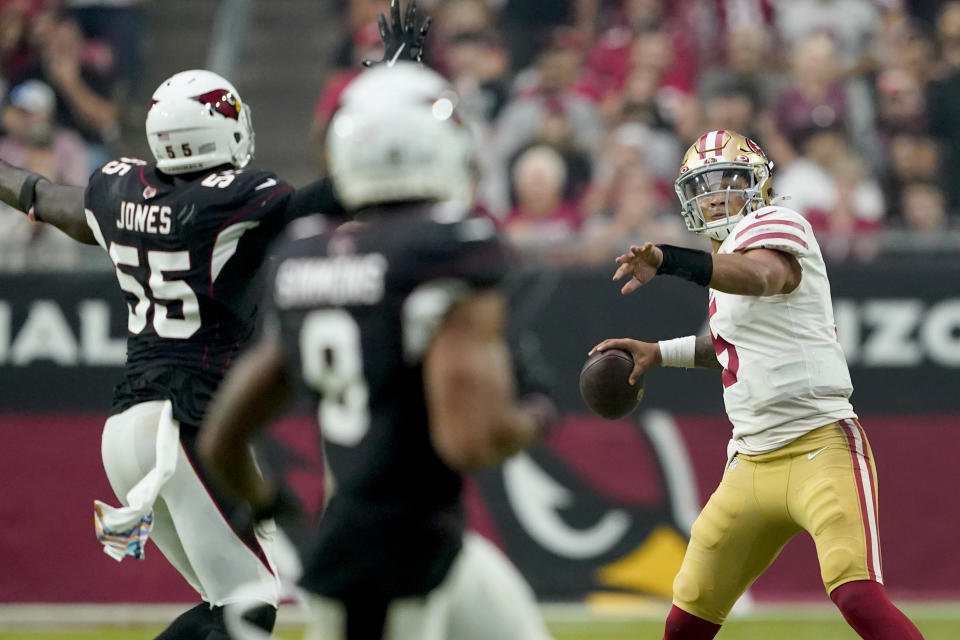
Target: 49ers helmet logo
755 148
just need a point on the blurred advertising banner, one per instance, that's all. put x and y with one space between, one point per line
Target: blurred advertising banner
62 334
598 510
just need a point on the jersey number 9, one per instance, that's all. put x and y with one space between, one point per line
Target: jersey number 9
333 367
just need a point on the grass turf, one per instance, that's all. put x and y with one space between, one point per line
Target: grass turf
790 628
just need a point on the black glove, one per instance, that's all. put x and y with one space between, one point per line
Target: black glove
401 40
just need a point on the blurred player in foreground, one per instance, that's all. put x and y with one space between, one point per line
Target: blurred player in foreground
187 235
393 322
799 459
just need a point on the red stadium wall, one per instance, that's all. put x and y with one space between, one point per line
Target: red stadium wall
52 473
598 507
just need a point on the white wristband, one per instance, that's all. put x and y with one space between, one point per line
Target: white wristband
678 352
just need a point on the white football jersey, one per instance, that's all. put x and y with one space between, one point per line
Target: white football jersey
784 371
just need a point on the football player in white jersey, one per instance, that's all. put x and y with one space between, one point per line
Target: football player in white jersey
786 389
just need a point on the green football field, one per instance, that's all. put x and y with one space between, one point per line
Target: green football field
935 622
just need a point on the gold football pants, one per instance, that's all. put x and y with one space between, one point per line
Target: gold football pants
823 483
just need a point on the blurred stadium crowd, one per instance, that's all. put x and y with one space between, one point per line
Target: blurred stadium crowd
582 108
67 71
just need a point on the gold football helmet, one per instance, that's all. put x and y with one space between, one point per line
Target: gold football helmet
720 171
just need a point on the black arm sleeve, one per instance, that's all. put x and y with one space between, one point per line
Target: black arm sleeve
317 197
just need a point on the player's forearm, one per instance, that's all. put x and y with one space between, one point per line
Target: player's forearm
61 205
686 352
704 355
236 471
55 204
248 399
317 197
737 274
476 421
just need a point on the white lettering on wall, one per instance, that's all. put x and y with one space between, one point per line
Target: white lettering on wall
890 343
96 345
940 333
899 332
4 331
45 336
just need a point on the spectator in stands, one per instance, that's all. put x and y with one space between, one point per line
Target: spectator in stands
636 101
541 216
359 13
528 24
553 130
478 66
452 21
923 207
752 61
634 215
120 24
15 53
633 144
556 131
909 158
858 206
729 102
831 187
853 27
560 64
901 106
814 99
905 44
737 21
366 45
649 32
84 87
35 142
551 91
944 96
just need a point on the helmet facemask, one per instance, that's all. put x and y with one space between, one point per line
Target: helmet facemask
718 171
732 188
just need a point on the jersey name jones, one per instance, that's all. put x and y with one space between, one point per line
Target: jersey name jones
146 218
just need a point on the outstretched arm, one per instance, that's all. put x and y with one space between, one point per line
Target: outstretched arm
475 417
402 39
255 389
56 204
757 272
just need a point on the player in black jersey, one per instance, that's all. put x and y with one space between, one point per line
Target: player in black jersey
394 323
186 235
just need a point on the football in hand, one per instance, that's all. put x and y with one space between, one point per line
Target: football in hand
605 386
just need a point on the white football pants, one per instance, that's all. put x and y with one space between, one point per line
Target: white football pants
483 597
188 526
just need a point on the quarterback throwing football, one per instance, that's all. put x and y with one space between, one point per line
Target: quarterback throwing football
786 388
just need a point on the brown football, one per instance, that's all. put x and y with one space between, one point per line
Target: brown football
604 384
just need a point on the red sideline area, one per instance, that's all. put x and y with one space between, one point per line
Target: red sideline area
51 473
